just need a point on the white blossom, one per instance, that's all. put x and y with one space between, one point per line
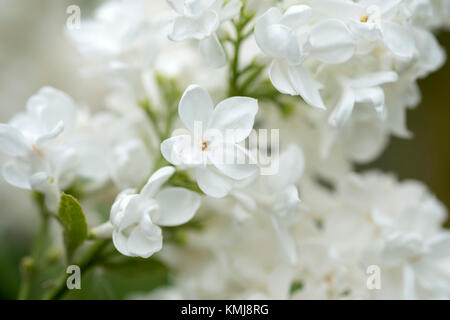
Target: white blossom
137 217
200 20
212 147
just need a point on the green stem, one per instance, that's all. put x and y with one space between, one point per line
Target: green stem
234 73
30 263
87 261
152 116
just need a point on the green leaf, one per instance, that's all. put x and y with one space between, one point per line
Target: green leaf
296 286
74 222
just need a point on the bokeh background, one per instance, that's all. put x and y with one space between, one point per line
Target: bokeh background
35 53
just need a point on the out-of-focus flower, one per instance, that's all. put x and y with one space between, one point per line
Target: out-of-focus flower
200 19
212 147
414 265
276 196
136 218
122 35
39 162
131 160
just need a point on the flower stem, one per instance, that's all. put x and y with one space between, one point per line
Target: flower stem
87 261
30 264
234 72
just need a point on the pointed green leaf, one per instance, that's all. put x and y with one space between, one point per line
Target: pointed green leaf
74 222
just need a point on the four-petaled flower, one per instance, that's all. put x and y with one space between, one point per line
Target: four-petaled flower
215 152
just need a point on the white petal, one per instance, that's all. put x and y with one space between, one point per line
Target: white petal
50 135
177 6
233 161
17 174
279 76
195 7
156 181
130 165
177 206
230 10
306 86
195 105
343 109
280 41
51 106
275 39
291 166
12 141
181 151
195 28
398 39
373 79
145 240
119 206
286 241
296 16
374 96
236 114
120 242
128 212
213 51
213 184
331 42
409 283
431 54
270 17
440 246
286 201
245 200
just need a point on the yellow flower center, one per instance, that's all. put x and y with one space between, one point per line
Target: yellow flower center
364 19
204 146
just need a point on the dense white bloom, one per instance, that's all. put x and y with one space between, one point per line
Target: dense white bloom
349 56
276 196
413 267
213 145
356 62
200 19
328 41
122 34
136 218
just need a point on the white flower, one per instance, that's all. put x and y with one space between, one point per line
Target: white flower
212 147
277 196
200 19
122 35
361 90
373 22
38 161
414 263
291 41
136 218
130 164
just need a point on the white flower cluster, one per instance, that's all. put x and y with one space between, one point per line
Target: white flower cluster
310 230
